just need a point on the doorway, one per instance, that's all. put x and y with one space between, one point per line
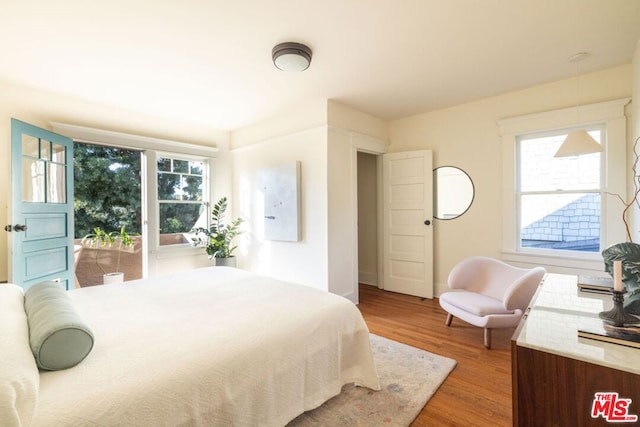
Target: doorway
108 196
367 194
394 221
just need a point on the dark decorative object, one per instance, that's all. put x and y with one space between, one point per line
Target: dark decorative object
629 254
617 316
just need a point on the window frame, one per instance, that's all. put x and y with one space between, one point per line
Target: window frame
153 208
611 115
206 192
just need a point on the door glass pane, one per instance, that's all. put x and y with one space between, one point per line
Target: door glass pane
56 188
30 146
45 149
58 153
33 187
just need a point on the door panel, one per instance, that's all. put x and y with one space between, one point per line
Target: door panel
41 263
408 240
41 233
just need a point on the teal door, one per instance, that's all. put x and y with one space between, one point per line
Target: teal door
41 234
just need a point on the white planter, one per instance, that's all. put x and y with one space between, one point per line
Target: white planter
225 262
110 278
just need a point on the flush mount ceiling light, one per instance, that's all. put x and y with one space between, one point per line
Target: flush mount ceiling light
291 56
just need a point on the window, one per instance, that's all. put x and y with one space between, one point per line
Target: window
539 189
559 200
182 198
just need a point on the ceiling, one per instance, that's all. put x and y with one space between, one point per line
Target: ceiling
208 62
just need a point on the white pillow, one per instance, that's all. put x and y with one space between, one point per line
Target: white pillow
19 378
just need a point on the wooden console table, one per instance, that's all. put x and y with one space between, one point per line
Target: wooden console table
555 374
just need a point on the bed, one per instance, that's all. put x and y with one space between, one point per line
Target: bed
212 346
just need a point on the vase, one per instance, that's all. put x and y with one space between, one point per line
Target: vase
111 278
225 262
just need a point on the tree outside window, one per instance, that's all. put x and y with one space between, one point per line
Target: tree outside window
107 187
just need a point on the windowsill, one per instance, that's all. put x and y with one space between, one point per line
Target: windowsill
571 263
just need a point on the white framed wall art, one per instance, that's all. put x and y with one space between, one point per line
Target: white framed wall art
280 186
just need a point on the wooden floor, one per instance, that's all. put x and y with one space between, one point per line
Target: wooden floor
478 391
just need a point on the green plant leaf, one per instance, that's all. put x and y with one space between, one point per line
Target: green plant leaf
629 254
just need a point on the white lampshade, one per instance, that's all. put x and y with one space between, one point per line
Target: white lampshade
578 142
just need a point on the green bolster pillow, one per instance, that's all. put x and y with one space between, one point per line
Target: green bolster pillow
58 336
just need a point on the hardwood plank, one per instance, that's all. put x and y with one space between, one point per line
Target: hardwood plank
478 391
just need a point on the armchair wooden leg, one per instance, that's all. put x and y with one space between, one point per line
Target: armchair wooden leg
487 338
449 319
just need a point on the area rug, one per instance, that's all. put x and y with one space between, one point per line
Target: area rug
408 378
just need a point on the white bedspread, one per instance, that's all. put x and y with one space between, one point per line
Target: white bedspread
214 346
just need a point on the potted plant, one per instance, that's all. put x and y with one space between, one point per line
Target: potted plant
217 239
119 241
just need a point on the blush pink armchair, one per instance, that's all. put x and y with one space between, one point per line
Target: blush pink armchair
492 294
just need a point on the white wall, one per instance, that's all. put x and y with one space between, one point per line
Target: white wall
41 108
350 131
304 261
342 211
467 136
326 257
362 124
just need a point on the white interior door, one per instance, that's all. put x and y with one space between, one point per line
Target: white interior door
407 217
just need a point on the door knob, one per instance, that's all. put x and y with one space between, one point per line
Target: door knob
427 222
20 227
8 228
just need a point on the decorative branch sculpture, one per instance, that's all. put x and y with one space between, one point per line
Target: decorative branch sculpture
628 252
636 192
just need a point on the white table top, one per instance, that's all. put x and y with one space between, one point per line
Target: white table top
556 313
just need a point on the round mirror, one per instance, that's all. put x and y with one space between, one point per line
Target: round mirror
452 192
